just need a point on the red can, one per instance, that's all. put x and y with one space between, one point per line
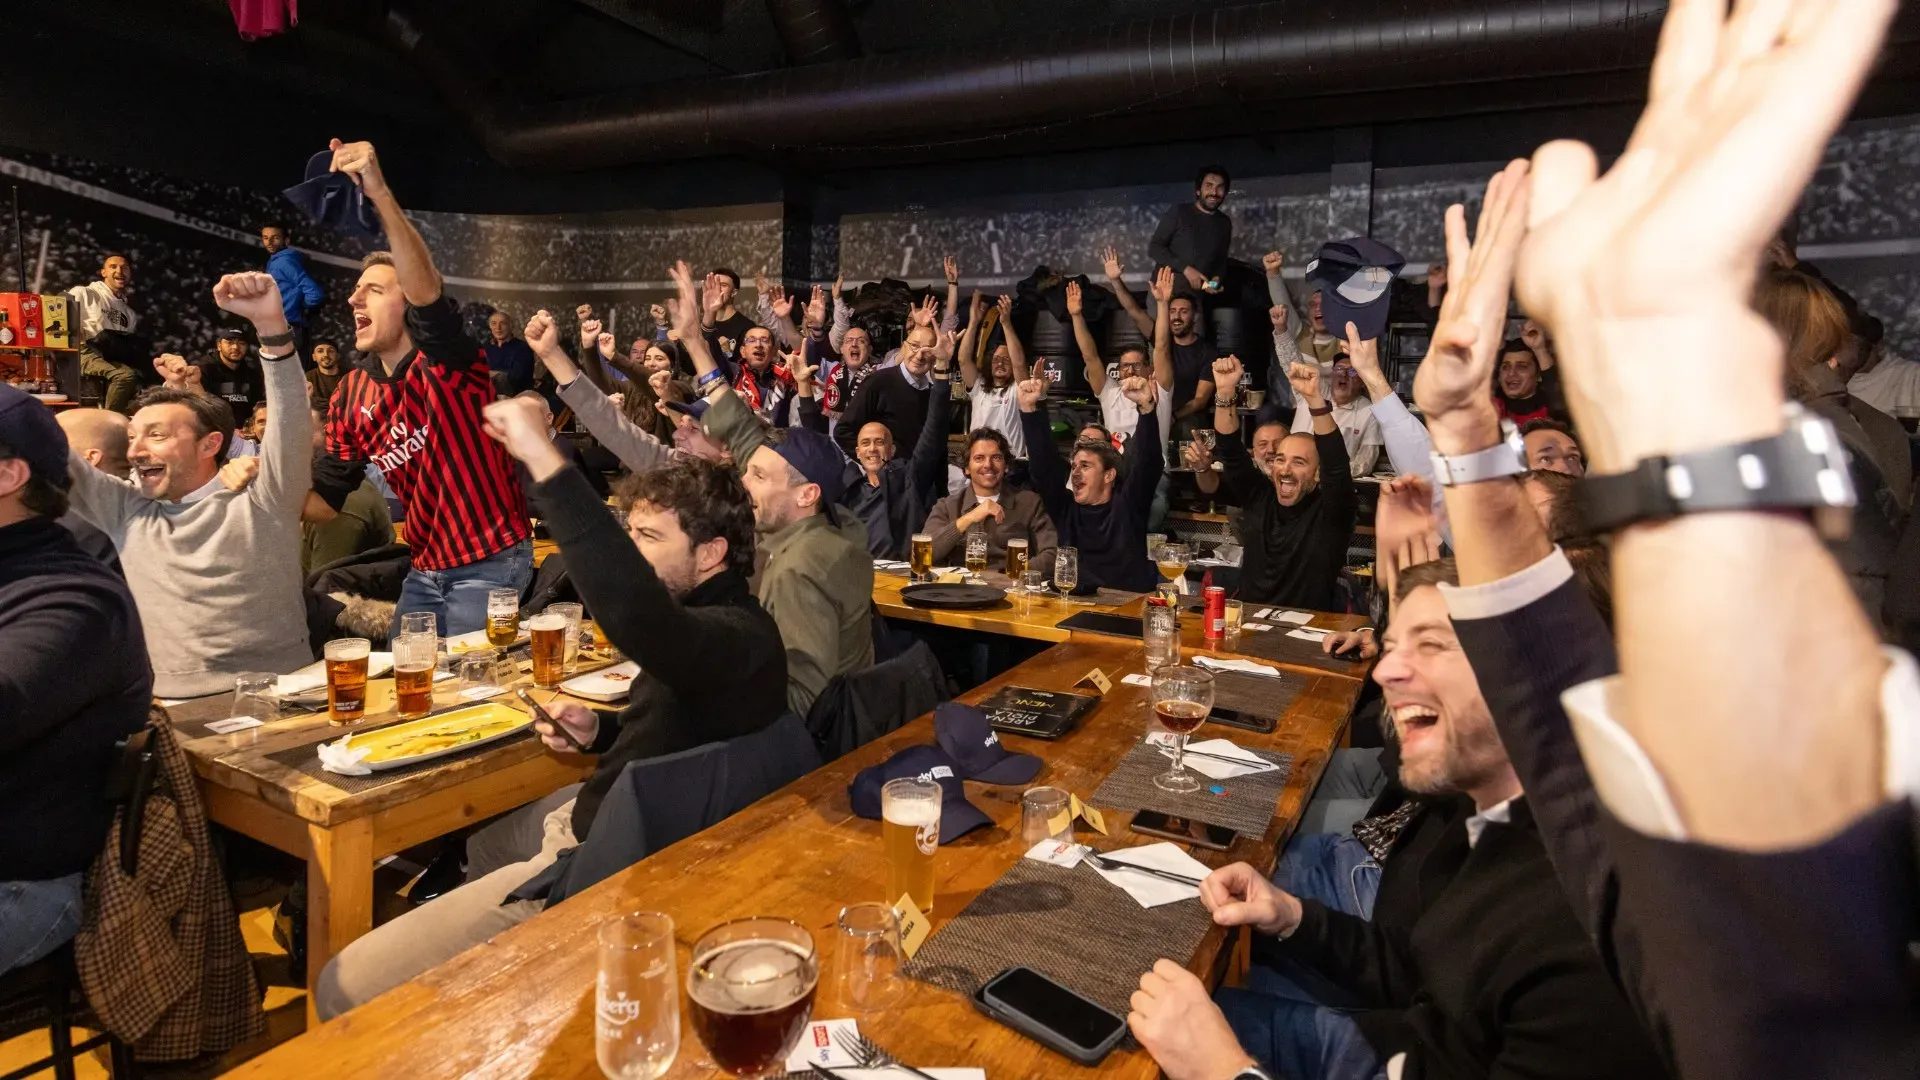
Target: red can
1215 621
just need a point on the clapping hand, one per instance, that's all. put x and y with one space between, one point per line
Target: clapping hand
1453 384
253 296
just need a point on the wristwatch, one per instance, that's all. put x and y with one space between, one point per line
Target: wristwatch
1803 468
1505 458
1252 1072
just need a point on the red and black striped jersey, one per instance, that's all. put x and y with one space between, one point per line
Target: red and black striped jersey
423 429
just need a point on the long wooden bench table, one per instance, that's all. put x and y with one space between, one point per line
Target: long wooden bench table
522 1004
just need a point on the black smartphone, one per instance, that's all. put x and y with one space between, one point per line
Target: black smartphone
1051 1014
541 716
1245 721
1185 830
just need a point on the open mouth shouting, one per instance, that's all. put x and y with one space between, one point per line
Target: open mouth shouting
1414 721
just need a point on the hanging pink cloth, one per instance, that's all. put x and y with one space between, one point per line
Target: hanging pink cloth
264 18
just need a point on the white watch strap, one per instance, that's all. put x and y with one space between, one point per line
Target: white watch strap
1502 459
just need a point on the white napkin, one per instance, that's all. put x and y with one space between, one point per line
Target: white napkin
1151 891
1309 634
1209 768
1215 663
338 757
889 564
1297 618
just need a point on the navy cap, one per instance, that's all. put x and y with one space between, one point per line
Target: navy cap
969 739
34 436
817 458
1354 277
231 333
334 200
958 817
696 408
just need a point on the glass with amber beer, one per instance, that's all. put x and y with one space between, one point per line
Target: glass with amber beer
910 831
1016 558
503 617
413 663
346 679
549 633
920 555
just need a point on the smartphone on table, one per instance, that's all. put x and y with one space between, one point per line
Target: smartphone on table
1185 830
1050 1014
1240 718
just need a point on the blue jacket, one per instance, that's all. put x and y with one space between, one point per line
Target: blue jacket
299 293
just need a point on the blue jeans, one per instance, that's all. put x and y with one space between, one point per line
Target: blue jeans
1338 871
37 917
459 595
1298 1040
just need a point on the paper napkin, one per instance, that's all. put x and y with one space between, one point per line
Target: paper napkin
1209 768
1215 663
338 757
1150 891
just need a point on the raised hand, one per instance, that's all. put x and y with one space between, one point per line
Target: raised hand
1162 287
686 313
1226 373
1033 389
619 400
1110 262
1140 390
801 371
658 381
782 303
925 313
953 270
658 312
589 333
713 295
606 345
583 312
542 336
817 307
838 284
520 425
1273 262
1305 380
361 165
1453 385
253 296
1364 354
1404 515
1073 298
976 308
239 472
1005 304
176 372
943 347
1277 315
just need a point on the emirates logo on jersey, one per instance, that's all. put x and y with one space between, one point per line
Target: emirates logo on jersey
402 444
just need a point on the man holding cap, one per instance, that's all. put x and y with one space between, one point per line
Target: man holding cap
818 579
59 719
230 376
1350 282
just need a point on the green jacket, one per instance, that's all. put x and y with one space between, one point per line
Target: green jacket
817 582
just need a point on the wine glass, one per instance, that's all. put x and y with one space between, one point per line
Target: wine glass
750 992
1172 562
1182 698
1066 569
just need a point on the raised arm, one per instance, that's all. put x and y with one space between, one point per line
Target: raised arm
1016 353
949 320
928 465
1237 469
969 341
1162 334
842 318
1274 262
775 309
1116 277
633 445
286 448
1286 353
1043 461
1145 457
412 262
1083 337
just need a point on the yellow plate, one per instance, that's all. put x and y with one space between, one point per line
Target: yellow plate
437 736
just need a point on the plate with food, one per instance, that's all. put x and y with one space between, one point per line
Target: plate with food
437 736
476 640
607 684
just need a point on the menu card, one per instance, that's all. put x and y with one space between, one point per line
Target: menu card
1042 714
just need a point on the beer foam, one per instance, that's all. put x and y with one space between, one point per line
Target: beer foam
544 621
758 975
916 812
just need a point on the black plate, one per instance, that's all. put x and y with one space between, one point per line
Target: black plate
953 597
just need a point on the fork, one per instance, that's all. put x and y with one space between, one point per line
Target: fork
868 1055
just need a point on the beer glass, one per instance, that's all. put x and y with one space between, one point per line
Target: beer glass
549 633
346 679
255 695
503 617
1182 698
1066 569
1044 815
750 992
1016 558
420 622
920 557
414 659
1155 541
910 830
1236 612
479 675
976 552
572 613
1160 630
636 999
867 964
1172 563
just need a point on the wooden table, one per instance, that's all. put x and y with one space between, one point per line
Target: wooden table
521 1005
340 834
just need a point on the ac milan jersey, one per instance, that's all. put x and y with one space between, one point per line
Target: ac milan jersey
422 428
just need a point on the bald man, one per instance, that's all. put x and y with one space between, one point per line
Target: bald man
100 436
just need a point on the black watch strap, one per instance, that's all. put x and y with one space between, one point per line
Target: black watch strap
273 340
1803 468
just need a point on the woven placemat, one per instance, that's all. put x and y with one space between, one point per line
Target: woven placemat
306 759
1246 805
1261 695
1274 644
1072 925
190 718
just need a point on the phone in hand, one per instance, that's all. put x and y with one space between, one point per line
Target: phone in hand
1238 718
1184 830
542 716
1050 1014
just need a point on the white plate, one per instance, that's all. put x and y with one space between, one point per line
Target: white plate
307 680
476 640
451 716
607 684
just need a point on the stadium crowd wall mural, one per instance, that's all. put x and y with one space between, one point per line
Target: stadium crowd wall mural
1860 220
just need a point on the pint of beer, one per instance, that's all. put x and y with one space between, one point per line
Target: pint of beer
920 554
910 829
503 617
750 990
976 552
413 662
549 632
347 679
1016 558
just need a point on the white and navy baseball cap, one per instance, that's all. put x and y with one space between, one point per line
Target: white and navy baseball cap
1354 277
958 817
969 739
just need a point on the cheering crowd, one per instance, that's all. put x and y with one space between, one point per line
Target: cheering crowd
1644 571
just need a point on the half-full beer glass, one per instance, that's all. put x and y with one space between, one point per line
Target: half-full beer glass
910 829
414 658
346 679
750 992
549 645
503 617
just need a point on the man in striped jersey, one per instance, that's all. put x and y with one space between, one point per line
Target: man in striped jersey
411 406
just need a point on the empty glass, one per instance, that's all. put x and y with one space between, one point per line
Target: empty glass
1154 542
636 999
866 974
1160 630
1045 815
420 622
572 613
976 553
1066 569
479 675
254 695
1182 698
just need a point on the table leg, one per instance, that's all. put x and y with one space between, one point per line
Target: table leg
339 893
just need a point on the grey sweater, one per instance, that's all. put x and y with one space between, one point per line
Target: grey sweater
636 449
217 580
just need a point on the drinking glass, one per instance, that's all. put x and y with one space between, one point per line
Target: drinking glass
1207 438
1182 698
1044 815
1033 581
503 617
1155 541
867 964
573 613
1172 563
1235 612
920 557
1017 557
636 999
346 679
1160 630
976 552
910 833
1066 569
479 675
548 644
750 991
420 622
414 656
254 695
